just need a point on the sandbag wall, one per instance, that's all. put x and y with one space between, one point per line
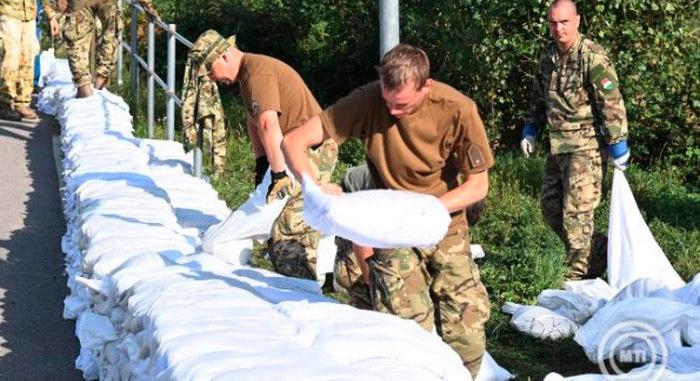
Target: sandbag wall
149 305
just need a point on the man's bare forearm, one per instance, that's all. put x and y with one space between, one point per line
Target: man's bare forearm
271 139
297 142
474 189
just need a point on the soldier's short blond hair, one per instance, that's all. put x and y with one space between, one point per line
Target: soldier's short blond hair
402 64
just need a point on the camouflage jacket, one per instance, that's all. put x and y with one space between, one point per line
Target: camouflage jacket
51 7
577 96
201 104
24 10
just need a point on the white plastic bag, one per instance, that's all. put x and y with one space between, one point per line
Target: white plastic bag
253 219
377 218
540 322
632 250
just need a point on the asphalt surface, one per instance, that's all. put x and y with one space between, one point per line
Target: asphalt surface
36 343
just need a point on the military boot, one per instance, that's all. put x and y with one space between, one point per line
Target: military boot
26 112
8 113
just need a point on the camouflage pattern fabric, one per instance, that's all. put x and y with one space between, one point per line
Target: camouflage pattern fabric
17 67
53 8
80 29
571 191
202 111
22 10
417 284
577 95
347 276
293 244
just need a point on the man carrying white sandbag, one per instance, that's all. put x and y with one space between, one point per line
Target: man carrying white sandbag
419 135
277 100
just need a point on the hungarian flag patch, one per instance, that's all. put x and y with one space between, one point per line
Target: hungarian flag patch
607 84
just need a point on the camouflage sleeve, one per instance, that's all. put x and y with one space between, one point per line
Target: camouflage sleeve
148 6
538 105
608 104
49 7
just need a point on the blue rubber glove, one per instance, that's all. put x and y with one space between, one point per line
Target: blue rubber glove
620 154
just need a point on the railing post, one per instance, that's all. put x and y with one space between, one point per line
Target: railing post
198 158
120 50
151 67
171 82
388 25
134 49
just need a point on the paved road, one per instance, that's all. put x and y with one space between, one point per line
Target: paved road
35 342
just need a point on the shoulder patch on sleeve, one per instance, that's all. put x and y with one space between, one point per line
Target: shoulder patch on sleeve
476 157
603 79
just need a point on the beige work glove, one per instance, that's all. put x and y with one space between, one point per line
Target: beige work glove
280 186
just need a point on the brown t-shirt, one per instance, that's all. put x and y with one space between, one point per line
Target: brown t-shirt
267 83
423 151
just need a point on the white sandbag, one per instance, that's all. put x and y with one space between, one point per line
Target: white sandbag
94 330
571 305
253 219
233 252
632 250
491 371
325 260
377 218
539 321
618 320
685 360
591 288
653 372
87 363
580 299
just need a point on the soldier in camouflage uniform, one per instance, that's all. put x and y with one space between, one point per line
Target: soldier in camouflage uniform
19 46
79 30
419 135
577 96
277 100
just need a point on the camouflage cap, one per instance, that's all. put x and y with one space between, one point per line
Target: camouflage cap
209 46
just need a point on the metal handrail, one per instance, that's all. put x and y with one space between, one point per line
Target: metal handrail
148 65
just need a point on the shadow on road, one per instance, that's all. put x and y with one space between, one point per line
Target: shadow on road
38 343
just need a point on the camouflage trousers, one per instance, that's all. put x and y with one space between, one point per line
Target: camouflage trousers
79 31
571 191
438 287
18 47
293 244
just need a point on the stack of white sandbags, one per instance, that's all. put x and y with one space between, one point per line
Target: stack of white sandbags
150 306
